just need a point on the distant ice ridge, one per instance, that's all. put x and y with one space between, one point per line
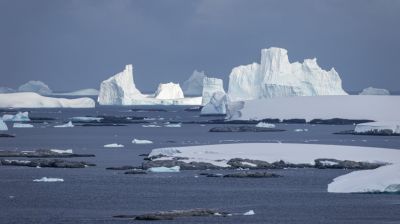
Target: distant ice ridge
169 90
36 87
275 76
393 127
49 179
20 116
374 91
34 100
3 126
211 86
194 85
382 179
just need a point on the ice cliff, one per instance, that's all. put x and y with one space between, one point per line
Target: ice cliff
211 86
169 91
194 85
275 76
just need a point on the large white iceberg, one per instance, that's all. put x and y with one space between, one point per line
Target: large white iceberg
3 125
20 116
211 86
275 76
216 105
383 179
169 91
36 87
374 91
81 92
379 126
34 100
194 85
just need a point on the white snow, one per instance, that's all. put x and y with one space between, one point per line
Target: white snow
49 179
378 126
265 125
374 91
113 145
194 85
3 126
163 169
216 105
377 108
178 125
382 179
250 212
20 116
276 76
36 87
169 91
34 100
22 125
220 154
81 92
328 163
67 125
141 141
62 151
86 119
211 86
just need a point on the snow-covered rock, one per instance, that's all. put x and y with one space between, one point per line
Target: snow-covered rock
382 179
169 90
62 151
34 100
20 116
113 145
211 86
374 91
119 89
265 125
22 125
81 92
36 87
49 179
385 108
275 76
216 105
163 169
3 126
7 90
378 126
67 125
194 85
141 141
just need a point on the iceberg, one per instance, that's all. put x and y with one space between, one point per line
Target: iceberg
393 127
139 141
169 91
22 125
265 125
113 145
7 90
36 87
250 212
275 76
34 100
81 92
216 105
194 85
374 91
379 180
210 86
119 89
163 169
86 119
3 126
178 125
20 116
48 179
67 125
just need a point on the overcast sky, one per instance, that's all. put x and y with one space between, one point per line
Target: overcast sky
77 43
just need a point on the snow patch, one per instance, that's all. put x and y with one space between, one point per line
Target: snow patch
265 125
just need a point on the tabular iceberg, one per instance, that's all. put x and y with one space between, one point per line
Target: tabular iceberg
194 85
119 89
169 90
211 86
374 91
36 87
276 76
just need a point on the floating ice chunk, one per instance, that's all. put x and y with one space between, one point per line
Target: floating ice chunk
250 212
86 119
22 125
265 125
374 91
139 141
163 169
151 126
61 151
382 179
3 126
169 90
20 116
67 125
49 179
113 145
178 125
300 130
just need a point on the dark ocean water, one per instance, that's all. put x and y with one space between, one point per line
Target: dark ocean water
94 195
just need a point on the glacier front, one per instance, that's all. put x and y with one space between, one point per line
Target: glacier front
275 76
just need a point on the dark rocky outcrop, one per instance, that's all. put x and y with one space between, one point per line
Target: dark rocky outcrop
148 110
122 168
344 164
3 135
54 163
244 129
193 109
339 121
136 171
252 175
294 121
384 132
258 164
41 153
170 215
